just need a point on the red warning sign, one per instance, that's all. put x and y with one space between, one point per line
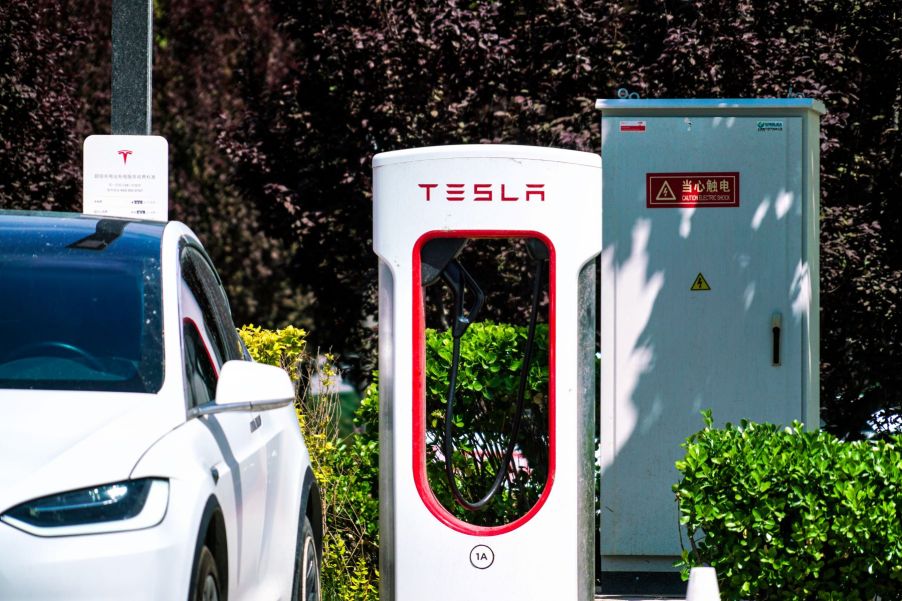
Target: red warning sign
637 126
678 190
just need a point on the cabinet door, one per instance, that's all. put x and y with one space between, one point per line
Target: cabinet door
673 343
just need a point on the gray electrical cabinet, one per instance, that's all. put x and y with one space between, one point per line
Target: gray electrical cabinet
709 294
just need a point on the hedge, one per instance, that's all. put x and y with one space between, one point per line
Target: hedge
491 357
347 469
783 513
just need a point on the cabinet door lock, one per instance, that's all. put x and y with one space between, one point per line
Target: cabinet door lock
776 324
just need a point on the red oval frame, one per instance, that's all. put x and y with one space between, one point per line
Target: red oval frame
419 385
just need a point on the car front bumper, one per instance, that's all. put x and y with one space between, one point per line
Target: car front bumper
150 564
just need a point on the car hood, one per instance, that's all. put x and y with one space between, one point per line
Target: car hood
52 441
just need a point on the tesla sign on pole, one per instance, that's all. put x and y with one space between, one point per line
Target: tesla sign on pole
126 176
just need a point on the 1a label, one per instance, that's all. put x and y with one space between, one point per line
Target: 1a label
482 557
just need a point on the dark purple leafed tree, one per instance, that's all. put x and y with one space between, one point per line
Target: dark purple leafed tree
273 111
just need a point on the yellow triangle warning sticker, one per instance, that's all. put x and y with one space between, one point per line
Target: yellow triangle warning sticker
700 283
666 192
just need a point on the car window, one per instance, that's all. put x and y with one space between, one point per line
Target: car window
205 286
200 374
80 309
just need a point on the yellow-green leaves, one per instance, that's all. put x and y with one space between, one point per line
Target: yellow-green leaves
284 348
345 468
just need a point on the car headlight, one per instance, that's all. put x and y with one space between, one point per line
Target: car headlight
127 505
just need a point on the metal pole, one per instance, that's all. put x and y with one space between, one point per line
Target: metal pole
132 61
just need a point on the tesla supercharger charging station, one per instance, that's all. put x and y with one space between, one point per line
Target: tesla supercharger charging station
445 219
709 294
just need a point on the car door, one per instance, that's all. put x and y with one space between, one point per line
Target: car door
209 340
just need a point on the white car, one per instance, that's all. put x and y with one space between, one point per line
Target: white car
143 455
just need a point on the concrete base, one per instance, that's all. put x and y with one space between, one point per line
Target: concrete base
641 584
636 598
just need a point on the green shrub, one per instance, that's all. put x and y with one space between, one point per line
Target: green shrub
350 488
491 356
284 348
782 513
345 468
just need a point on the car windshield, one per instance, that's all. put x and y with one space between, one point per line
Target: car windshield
80 304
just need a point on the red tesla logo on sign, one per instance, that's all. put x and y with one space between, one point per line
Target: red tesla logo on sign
483 192
678 190
124 154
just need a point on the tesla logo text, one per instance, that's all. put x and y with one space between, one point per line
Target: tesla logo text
124 154
483 192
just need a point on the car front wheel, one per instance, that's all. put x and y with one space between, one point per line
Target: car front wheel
307 567
207 586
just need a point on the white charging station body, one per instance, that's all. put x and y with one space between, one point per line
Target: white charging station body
487 191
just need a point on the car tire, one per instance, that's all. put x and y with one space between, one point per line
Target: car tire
207 586
307 585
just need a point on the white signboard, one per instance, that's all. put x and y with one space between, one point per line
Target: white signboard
126 176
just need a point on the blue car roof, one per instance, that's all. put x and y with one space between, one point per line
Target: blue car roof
49 231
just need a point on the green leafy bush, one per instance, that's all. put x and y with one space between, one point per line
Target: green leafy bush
350 487
345 468
491 357
782 513
284 348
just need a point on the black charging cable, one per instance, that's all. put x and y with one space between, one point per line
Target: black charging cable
459 281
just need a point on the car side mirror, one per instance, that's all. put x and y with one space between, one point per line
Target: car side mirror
248 386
